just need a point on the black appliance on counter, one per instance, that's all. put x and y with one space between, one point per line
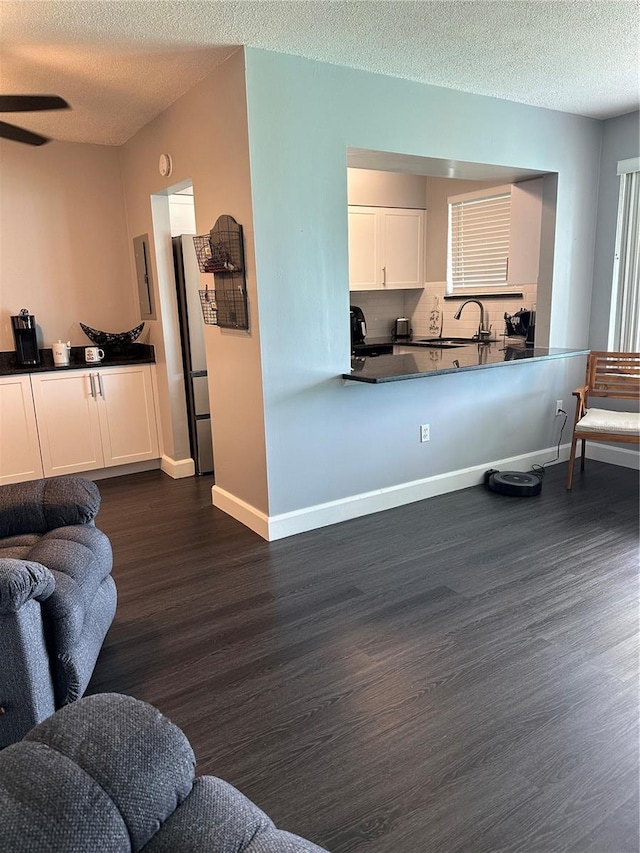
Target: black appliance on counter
25 336
358 334
358 325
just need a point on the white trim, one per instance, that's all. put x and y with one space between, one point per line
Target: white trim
121 470
243 512
177 468
621 456
313 517
631 165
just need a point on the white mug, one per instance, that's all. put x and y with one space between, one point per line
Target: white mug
61 352
93 354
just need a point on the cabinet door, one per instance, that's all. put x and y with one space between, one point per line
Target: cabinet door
127 414
365 262
402 243
19 449
68 425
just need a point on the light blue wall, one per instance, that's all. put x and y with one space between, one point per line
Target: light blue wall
326 440
621 141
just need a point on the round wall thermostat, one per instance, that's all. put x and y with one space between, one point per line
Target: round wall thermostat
165 165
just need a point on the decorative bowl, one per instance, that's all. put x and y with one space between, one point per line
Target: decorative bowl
113 338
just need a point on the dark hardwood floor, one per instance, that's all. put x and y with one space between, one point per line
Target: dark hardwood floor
455 676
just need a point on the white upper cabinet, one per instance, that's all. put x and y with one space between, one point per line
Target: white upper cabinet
386 248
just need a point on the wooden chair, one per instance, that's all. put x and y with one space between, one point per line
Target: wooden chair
614 375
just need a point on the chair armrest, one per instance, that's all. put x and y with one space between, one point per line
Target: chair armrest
581 395
40 505
20 581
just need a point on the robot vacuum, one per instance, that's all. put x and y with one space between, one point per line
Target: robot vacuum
515 483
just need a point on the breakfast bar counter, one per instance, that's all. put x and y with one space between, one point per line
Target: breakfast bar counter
410 361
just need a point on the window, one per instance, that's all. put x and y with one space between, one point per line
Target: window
624 327
478 240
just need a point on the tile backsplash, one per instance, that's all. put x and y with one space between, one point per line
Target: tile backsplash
381 307
427 308
421 304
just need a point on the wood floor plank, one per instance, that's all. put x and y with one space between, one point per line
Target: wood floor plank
459 675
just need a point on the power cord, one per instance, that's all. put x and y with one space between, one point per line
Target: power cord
539 470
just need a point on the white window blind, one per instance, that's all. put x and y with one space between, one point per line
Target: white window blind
478 244
624 331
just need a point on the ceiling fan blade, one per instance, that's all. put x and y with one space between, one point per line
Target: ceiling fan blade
31 103
19 134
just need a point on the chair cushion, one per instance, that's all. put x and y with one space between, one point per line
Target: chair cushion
605 420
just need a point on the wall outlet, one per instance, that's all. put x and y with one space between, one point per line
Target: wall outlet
425 432
559 407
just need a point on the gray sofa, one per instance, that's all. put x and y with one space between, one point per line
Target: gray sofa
111 774
57 598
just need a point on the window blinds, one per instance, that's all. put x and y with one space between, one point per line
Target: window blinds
478 245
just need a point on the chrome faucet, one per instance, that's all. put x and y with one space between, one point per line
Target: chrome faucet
482 332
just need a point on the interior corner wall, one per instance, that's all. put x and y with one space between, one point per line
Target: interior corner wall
63 241
620 141
205 132
327 440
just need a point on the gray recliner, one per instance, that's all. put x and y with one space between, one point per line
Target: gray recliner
111 774
57 598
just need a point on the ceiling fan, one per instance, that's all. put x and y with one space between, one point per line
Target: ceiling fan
27 104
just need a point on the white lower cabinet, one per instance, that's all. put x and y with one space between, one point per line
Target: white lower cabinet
19 450
95 418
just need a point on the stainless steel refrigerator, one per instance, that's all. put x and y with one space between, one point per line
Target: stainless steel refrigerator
193 353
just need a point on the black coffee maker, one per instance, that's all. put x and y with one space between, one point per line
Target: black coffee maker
358 325
25 336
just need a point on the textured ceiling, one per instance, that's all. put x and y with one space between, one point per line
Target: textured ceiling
121 63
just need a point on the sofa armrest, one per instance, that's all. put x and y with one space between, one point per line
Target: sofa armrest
21 581
40 505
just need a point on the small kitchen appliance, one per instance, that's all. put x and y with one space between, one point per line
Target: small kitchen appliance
25 337
402 329
358 325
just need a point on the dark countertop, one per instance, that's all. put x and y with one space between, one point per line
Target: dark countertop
122 355
425 361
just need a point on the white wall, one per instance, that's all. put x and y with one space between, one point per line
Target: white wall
212 153
325 440
64 247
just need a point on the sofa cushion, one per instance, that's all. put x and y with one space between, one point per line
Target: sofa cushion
217 818
79 558
138 758
49 805
40 505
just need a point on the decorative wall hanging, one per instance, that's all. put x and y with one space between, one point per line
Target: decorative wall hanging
221 252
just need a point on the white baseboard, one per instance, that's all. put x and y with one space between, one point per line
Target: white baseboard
321 515
121 470
178 468
613 455
243 512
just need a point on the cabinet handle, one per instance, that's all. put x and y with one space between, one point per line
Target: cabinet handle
100 388
384 276
93 387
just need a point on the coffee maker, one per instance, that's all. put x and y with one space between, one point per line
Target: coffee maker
25 336
358 325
